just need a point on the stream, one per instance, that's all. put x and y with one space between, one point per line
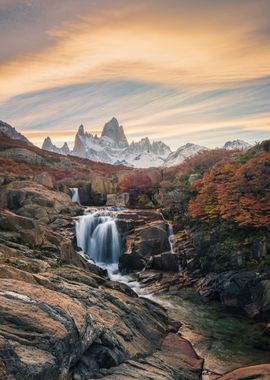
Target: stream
225 340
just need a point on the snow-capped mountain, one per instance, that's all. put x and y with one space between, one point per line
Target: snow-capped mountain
236 144
113 148
8 130
48 145
187 150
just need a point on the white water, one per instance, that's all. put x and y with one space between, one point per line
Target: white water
75 195
98 237
171 237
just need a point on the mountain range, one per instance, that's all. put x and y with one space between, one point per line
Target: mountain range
113 147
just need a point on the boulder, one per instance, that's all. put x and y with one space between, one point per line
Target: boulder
35 201
85 194
149 240
232 288
165 262
131 262
246 290
88 197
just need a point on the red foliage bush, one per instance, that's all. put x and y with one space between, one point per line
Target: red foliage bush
239 193
135 181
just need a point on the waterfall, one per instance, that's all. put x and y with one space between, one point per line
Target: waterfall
98 237
75 195
171 237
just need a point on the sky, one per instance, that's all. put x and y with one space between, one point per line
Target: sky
173 70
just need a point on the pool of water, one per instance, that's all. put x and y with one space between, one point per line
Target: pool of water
225 340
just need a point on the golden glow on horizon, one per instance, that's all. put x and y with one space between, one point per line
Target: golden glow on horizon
260 123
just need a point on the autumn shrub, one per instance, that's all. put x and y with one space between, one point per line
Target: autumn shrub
235 192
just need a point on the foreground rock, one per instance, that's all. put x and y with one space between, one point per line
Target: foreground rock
68 318
261 372
61 318
176 359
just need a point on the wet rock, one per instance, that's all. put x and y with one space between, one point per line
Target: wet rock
232 288
261 299
149 277
131 262
176 359
165 262
157 282
246 290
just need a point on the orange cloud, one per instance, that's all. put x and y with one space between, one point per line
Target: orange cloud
180 47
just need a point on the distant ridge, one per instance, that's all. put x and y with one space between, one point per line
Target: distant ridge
8 130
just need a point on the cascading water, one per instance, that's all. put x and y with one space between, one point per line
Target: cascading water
75 195
98 237
171 237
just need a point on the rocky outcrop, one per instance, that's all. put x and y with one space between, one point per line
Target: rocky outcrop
260 372
246 290
61 317
145 242
8 130
30 199
95 192
176 359
148 240
51 323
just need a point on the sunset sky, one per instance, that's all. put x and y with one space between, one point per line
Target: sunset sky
180 71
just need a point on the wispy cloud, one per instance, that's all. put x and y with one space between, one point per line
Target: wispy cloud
157 111
162 67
